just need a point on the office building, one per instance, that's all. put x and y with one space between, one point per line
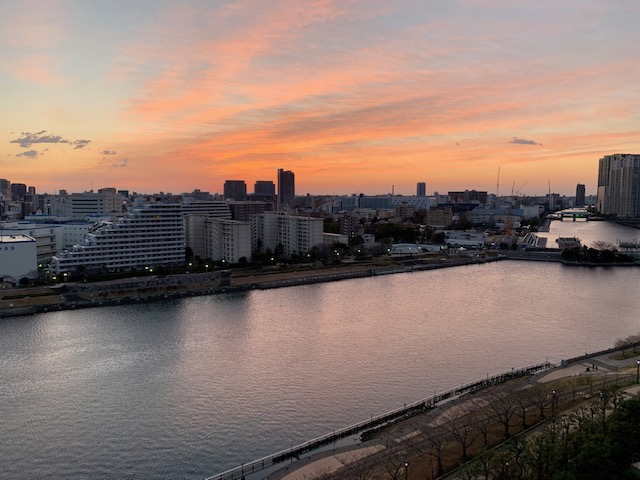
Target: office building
18 192
580 195
619 185
235 190
468 196
5 189
286 187
263 190
421 190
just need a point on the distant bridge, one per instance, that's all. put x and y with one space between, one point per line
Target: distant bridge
574 214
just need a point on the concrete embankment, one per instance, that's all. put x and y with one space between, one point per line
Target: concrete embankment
70 296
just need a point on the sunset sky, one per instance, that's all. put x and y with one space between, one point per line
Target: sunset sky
353 96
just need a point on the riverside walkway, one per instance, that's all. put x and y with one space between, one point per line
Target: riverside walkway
379 421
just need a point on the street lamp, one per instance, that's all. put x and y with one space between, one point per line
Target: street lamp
638 371
553 403
406 470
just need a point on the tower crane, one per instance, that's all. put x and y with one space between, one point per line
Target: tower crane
520 188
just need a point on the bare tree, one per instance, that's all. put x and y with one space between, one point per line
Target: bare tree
437 440
356 468
457 423
482 421
540 397
394 462
503 405
523 404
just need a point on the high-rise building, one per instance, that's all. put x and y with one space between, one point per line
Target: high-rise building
580 195
18 191
286 187
421 189
5 189
235 190
264 190
619 185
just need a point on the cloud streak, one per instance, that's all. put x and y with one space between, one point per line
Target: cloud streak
122 164
522 141
29 153
26 139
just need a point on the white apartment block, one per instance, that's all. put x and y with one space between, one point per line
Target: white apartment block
18 256
195 213
296 234
215 209
195 234
151 235
227 240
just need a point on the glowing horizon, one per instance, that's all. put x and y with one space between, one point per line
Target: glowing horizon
352 96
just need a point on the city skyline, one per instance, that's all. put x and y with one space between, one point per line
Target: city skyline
351 96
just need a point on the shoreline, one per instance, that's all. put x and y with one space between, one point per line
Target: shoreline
72 296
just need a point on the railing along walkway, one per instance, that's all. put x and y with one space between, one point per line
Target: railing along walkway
239 472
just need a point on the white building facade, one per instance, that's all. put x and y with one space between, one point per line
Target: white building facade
107 201
298 235
18 257
48 237
149 236
227 240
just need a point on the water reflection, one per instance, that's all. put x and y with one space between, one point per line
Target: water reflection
189 387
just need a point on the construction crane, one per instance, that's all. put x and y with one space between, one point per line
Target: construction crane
520 188
513 187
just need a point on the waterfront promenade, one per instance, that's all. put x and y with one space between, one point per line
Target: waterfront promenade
568 386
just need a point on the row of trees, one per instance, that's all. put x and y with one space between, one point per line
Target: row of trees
470 430
597 441
599 252
632 342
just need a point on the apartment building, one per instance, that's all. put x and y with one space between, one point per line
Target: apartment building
296 234
227 240
619 185
150 235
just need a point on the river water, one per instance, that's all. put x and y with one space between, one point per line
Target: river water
191 387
